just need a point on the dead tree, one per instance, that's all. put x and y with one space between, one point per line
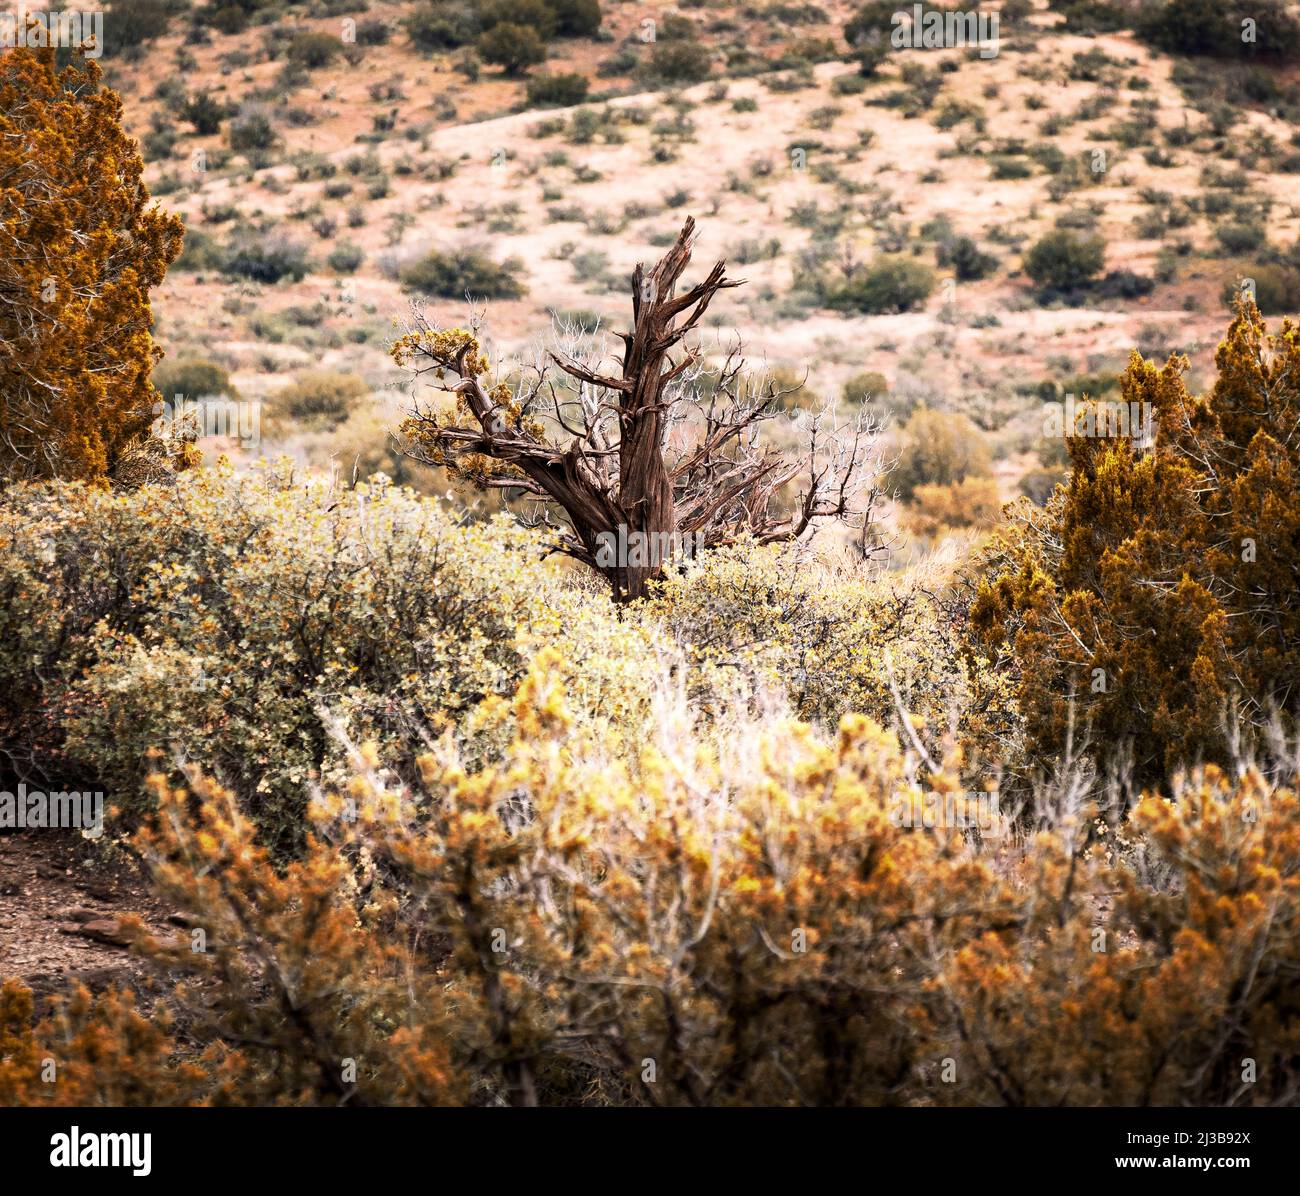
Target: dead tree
658 455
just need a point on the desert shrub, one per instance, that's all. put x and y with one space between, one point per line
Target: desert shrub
537 15
754 249
240 616
867 33
1090 16
1276 289
346 257
1038 485
678 62
1011 168
193 377
75 327
576 18
1204 27
889 284
264 257
364 445
752 620
252 132
561 91
1122 284
1241 236
1064 260
870 386
514 48
204 113
1147 606
200 251
373 33
938 448
971 503
969 263
460 272
317 398
773 915
442 24
159 142
312 49
132 24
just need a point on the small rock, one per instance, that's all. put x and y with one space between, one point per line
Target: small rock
101 930
78 914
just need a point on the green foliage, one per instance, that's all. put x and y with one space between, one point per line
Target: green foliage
576 18
938 448
865 388
678 62
317 398
758 617
889 284
252 132
239 615
969 263
130 25
560 91
867 33
1206 27
204 113
312 49
264 257
460 272
193 377
442 24
536 15
373 33
1241 236
1276 289
1065 260
200 251
1090 16
514 48
346 257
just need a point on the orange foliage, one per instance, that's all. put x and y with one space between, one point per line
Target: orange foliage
82 248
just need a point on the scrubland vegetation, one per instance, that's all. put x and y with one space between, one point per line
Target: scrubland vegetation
955 764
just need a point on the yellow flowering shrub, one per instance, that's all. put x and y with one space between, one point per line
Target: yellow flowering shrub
256 622
732 914
837 643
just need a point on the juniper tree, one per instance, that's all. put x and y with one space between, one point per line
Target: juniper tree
82 246
658 449
1150 607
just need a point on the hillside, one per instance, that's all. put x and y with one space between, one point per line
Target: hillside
791 172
